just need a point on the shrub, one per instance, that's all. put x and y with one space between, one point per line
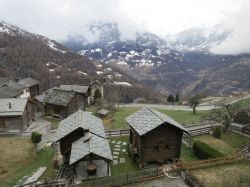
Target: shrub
216 132
170 98
36 137
205 151
242 117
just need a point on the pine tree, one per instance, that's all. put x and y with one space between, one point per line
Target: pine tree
177 99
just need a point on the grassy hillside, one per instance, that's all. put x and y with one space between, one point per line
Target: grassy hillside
18 159
183 117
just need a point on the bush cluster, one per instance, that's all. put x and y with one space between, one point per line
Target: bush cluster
205 151
217 132
36 137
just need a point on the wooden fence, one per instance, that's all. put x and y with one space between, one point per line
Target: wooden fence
200 131
194 130
112 133
211 162
187 140
121 180
15 134
156 172
244 149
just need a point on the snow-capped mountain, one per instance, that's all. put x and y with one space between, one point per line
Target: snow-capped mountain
182 64
25 54
12 30
198 39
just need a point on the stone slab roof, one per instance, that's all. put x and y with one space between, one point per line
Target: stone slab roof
96 145
75 88
8 92
147 119
17 86
12 106
28 82
58 97
80 119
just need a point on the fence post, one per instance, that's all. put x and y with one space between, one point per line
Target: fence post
127 177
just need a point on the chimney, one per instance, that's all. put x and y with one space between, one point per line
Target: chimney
10 107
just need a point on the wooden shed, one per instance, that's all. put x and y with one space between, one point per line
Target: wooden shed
103 113
15 114
83 143
154 137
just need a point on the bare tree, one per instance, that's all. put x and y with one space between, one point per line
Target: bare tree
224 115
194 101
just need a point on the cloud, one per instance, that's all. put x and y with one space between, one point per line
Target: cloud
239 23
58 19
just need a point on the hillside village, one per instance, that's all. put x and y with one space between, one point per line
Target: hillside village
124 93
71 135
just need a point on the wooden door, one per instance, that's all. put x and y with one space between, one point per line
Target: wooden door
2 124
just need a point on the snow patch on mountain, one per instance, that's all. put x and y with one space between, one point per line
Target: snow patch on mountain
54 47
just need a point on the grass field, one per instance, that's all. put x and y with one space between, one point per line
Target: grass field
187 154
128 166
229 175
183 117
18 159
118 120
228 142
244 103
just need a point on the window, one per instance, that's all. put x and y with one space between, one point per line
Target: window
156 148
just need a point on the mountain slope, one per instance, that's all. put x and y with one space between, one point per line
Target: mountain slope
25 54
166 67
198 39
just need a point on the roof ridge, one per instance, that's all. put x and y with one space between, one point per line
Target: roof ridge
151 110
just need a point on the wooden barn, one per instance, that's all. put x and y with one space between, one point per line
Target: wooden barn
32 85
82 93
154 137
15 114
83 145
63 101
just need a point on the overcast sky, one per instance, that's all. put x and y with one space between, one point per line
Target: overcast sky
59 18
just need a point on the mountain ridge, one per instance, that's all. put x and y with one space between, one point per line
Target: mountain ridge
150 60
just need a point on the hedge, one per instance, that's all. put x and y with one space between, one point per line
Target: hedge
205 151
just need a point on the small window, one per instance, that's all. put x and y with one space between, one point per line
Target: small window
156 148
166 146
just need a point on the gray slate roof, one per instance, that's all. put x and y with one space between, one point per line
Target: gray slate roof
28 82
80 119
96 145
17 86
58 97
75 88
8 92
16 109
147 119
